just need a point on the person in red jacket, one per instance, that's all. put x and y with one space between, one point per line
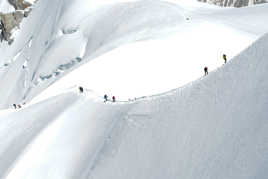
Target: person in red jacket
113 98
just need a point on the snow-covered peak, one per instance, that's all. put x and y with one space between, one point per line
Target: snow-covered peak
77 32
214 128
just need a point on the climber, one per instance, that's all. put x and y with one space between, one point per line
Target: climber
2 29
81 90
224 58
1 25
113 98
15 106
206 71
105 97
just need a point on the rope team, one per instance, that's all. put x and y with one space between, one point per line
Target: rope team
224 59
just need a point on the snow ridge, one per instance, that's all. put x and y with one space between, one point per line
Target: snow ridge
215 127
55 41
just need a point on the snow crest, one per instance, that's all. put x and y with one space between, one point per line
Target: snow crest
215 127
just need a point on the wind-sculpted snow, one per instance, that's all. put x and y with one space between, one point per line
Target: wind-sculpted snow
58 31
17 133
71 108
215 127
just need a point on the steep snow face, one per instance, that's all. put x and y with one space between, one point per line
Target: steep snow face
171 61
75 32
215 127
86 35
152 66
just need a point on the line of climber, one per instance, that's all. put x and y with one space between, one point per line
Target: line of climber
81 90
224 59
106 98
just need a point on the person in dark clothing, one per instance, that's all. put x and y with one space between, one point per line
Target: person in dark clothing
81 90
224 58
15 106
206 71
105 98
113 98
1 25
2 29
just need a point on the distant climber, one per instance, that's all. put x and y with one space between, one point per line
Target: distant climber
2 29
25 64
105 97
113 98
1 25
206 71
224 58
81 90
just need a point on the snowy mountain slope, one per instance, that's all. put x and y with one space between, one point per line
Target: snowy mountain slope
28 127
153 57
215 127
245 19
60 36
54 120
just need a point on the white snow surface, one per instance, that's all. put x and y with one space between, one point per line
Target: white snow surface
212 127
215 127
31 1
153 38
6 7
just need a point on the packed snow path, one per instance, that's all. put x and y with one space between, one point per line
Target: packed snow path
61 35
215 127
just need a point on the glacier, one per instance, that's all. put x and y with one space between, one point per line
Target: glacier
75 32
211 126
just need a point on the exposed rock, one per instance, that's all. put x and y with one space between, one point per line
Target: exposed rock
19 4
9 22
234 3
